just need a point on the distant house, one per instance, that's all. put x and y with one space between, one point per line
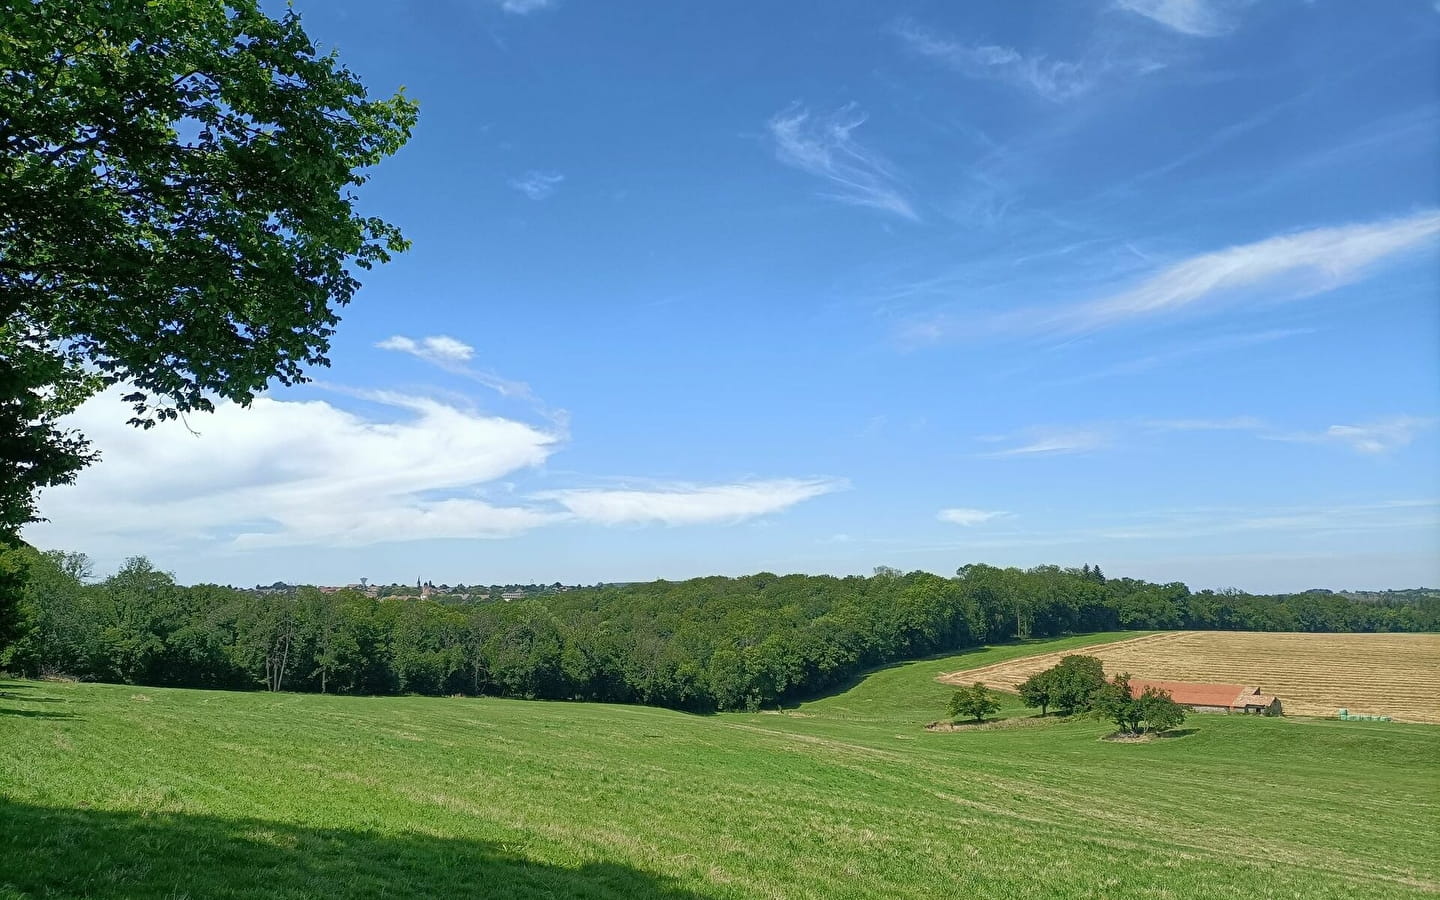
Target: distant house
1226 698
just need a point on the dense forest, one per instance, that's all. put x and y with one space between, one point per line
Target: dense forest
703 644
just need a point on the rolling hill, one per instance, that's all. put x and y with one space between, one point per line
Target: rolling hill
117 791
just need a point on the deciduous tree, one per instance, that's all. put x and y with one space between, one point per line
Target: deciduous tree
1154 709
976 701
1077 680
176 213
1038 690
1160 711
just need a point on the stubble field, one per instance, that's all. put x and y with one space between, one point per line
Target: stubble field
1395 675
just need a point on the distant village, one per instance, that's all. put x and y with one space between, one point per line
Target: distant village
428 590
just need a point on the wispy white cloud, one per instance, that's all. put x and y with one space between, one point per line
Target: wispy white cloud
537 185
1197 18
825 146
1055 80
1376 437
442 350
1219 344
525 7
959 515
1182 524
1309 261
1050 441
1236 423
1287 266
454 356
690 504
1381 436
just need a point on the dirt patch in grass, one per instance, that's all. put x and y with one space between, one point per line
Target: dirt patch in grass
1125 737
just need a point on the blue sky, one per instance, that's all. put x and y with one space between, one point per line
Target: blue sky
814 287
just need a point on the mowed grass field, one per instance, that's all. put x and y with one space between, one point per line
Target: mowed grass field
1313 674
114 791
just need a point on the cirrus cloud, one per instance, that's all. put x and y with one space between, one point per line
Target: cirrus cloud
1283 267
1196 18
959 515
454 356
690 504
1375 438
537 185
825 146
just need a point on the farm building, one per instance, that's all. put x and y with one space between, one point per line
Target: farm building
1226 698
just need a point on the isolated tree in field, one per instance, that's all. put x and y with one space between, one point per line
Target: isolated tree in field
1038 690
1076 681
1159 710
1153 709
976 702
1070 685
176 214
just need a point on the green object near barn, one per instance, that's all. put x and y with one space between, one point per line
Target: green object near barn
1347 716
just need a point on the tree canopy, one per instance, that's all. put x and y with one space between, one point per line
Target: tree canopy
177 213
1153 710
975 702
703 644
1070 685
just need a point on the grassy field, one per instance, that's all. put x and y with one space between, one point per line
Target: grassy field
112 791
1313 674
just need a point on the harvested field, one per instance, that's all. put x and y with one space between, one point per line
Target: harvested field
1395 675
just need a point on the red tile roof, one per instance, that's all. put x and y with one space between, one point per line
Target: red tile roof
1188 693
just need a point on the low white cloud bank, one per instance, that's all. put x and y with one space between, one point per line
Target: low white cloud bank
292 472
691 504
308 473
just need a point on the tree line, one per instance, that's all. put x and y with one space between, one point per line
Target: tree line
703 644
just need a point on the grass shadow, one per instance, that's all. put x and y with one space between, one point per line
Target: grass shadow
1177 733
62 853
36 713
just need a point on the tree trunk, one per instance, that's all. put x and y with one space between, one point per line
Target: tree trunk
284 659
